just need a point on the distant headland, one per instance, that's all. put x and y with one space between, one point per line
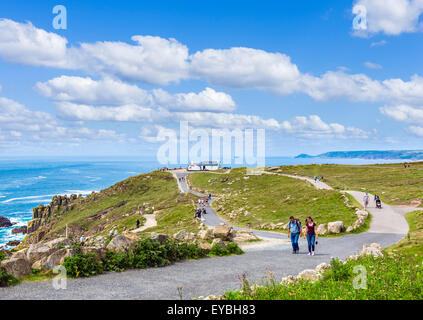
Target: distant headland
370 154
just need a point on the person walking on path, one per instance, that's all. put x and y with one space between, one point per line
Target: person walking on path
294 231
311 235
138 223
366 200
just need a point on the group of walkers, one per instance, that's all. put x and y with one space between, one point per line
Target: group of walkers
295 231
317 178
376 199
201 209
181 179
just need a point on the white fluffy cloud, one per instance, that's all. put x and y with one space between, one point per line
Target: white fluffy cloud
391 17
161 61
314 127
112 92
152 60
18 122
246 68
206 100
310 127
407 114
89 91
359 87
404 113
417 131
26 44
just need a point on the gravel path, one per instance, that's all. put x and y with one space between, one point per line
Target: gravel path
217 275
149 223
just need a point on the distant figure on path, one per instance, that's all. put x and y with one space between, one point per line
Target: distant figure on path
197 213
138 224
210 196
311 235
378 202
82 239
366 200
294 231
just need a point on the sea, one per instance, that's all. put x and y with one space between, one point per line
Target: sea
26 183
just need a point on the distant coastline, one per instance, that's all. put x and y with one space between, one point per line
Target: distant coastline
399 155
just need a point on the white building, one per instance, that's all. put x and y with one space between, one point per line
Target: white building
204 166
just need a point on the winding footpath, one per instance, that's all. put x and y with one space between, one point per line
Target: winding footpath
218 275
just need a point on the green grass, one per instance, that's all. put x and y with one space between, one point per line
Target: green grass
412 244
38 275
392 182
395 277
118 206
177 218
270 199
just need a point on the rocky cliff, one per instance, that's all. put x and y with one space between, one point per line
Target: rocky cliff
41 215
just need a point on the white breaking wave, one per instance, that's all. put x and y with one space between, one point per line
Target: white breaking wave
47 197
43 197
18 222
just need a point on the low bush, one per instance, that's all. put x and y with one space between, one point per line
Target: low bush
82 265
146 254
6 279
230 248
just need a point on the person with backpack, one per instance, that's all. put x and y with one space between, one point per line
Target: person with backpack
311 235
294 231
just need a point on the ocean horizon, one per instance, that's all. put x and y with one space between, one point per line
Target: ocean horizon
26 183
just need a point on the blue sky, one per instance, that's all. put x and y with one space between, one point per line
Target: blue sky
309 79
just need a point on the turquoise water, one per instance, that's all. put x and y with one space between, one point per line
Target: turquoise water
25 184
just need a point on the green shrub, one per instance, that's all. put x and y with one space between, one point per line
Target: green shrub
231 248
146 254
149 253
339 271
2 256
6 279
82 266
118 261
190 251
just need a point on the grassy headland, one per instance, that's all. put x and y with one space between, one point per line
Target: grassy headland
122 205
392 182
256 200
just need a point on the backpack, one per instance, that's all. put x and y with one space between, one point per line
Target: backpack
297 222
